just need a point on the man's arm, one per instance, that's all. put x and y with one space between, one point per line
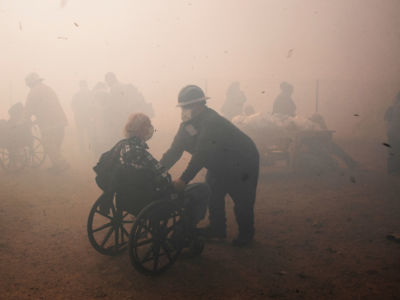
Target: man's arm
174 152
195 165
206 146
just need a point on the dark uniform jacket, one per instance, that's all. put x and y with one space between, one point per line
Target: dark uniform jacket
215 144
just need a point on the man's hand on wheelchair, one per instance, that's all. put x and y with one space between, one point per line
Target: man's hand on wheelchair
179 185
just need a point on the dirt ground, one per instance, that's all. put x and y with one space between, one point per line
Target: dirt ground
318 237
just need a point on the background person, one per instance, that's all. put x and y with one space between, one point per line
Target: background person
42 103
235 99
283 104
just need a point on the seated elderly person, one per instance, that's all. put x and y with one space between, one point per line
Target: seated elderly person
137 178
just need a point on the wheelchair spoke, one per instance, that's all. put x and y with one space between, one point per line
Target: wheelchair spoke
104 215
147 257
145 242
150 258
116 236
121 245
102 227
124 231
165 247
144 228
107 237
127 222
155 266
122 235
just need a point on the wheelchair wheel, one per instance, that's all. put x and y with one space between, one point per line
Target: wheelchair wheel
36 153
13 160
156 238
108 228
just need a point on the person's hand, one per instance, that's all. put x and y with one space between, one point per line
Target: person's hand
179 185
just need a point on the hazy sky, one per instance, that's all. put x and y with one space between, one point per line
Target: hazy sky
162 45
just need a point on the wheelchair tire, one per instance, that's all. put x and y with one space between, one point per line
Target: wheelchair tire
156 238
36 153
13 161
107 230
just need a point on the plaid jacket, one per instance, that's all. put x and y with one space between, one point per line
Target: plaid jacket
133 154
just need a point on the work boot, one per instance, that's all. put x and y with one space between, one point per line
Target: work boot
241 240
211 232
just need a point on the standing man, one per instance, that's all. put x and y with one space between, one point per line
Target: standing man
230 157
42 102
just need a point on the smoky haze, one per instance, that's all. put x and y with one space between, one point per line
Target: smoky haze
350 49
350 46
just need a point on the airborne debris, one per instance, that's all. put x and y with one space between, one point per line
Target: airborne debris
262 92
290 52
356 115
352 179
62 38
76 24
386 145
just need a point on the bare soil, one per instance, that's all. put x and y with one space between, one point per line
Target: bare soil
318 237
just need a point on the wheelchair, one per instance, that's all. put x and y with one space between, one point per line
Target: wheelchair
20 147
154 234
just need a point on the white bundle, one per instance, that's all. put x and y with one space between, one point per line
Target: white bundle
259 121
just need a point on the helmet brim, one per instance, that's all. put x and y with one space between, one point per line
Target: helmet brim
192 101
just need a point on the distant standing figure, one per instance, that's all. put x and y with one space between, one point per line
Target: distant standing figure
392 118
42 102
234 101
81 107
102 135
284 104
126 99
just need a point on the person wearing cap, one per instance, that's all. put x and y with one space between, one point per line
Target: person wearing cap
230 157
42 103
283 104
